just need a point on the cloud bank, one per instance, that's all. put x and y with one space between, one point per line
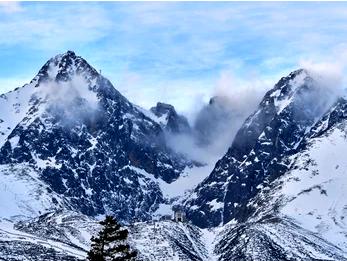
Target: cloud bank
170 45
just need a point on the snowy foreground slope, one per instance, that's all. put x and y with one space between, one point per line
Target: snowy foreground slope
274 239
65 236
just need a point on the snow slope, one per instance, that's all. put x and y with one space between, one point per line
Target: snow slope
314 191
274 239
65 235
22 192
16 245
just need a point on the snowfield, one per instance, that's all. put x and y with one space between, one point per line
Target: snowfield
315 191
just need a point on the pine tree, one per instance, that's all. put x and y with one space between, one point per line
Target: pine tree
111 244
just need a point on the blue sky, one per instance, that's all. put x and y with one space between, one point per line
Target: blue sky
181 53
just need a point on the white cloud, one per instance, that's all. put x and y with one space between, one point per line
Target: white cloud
173 52
329 68
10 7
47 28
147 91
244 91
330 74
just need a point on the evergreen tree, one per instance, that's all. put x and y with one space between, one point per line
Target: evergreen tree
111 243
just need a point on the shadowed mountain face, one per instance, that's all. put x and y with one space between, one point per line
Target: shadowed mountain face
97 152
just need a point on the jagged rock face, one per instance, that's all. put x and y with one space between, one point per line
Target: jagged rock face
253 161
169 119
88 142
334 118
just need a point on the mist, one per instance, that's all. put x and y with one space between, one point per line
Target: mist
328 82
216 122
71 101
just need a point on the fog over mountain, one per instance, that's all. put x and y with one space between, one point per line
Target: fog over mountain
215 124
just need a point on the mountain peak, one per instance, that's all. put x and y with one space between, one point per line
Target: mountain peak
163 108
71 53
64 66
169 118
67 55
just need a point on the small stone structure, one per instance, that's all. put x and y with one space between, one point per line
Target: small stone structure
179 215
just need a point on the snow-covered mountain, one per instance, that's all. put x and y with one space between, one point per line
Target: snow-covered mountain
300 215
280 187
313 191
274 130
65 236
71 140
52 236
72 149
